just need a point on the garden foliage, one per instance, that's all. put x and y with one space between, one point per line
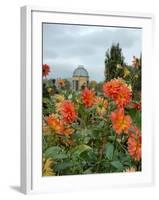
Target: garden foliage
92 131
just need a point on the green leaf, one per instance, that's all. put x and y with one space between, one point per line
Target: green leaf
88 171
80 149
70 96
109 151
86 132
117 164
56 153
136 116
111 138
86 135
101 124
62 166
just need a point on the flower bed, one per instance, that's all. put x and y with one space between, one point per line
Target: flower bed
87 131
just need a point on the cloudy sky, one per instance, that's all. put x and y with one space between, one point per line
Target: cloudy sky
67 46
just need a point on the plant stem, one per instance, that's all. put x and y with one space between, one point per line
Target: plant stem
114 146
100 153
122 147
113 151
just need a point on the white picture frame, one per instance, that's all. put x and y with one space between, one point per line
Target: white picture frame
31 54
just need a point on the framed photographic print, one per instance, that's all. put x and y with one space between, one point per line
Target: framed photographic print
86 100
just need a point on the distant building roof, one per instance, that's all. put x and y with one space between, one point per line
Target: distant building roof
80 71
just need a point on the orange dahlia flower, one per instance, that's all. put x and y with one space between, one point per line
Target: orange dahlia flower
88 97
46 69
61 82
68 131
58 126
119 91
55 124
134 143
101 105
67 110
121 122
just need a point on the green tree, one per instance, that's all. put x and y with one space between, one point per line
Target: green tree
114 62
136 76
93 84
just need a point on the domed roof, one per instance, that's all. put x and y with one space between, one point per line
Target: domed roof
80 71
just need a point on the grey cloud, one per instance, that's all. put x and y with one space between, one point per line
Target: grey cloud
66 46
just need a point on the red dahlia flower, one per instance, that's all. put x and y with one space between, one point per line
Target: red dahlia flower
88 97
46 70
67 110
137 106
